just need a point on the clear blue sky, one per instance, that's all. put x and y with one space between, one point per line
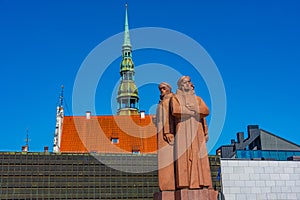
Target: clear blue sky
255 45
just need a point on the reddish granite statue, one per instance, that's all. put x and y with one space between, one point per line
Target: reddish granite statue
165 140
189 112
182 137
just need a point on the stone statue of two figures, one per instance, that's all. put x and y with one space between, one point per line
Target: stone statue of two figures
183 165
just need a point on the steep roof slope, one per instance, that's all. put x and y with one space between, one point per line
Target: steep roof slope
108 134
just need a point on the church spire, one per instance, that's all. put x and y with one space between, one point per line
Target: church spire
127 93
126 32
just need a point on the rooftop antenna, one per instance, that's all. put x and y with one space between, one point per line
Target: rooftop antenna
61 97
26 148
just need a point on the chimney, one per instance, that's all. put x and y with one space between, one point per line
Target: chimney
46 149
142 114
240 137
88 114
253 131
25 148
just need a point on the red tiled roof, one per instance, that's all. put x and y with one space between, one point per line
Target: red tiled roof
81 135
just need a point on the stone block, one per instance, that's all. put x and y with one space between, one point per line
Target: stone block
260 183
289 170
249 170
285 177
165 195
231 183
228 170
260 170
291 196
234 163
255 190
277 170
264 177
275 189
244 163
239 170
235 190
245 177
282 196
201 194
270 183
224 163
297 170
263 163
296 189
280 183
262 196
253 163
269 170
241 196
239 183
249 183
234 177
275 177
245 190
254 177
286 189
294 177
231 197
272 196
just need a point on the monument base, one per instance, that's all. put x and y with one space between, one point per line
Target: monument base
164 195
186 194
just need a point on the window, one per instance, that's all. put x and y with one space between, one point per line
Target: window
136 152
115 140
132 103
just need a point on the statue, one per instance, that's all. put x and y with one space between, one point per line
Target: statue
189 112
184 170
165 139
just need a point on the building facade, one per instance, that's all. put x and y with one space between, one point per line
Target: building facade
261 166
260 179
25 175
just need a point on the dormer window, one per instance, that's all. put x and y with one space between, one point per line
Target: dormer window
136 152
115 140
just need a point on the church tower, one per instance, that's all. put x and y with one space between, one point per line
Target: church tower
128 97
59 122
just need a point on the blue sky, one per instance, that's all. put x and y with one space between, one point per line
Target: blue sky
254 44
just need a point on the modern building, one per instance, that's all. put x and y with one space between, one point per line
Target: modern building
262 166
260 144
26 175
43 175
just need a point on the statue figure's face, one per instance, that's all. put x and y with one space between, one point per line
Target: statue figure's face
164 90
186 85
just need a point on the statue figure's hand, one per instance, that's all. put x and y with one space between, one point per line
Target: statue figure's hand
191 107
206 137
169 138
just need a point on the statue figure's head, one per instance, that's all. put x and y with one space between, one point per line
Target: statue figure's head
164 89
184 84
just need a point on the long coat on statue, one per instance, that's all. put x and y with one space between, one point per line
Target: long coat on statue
165 126
192 168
